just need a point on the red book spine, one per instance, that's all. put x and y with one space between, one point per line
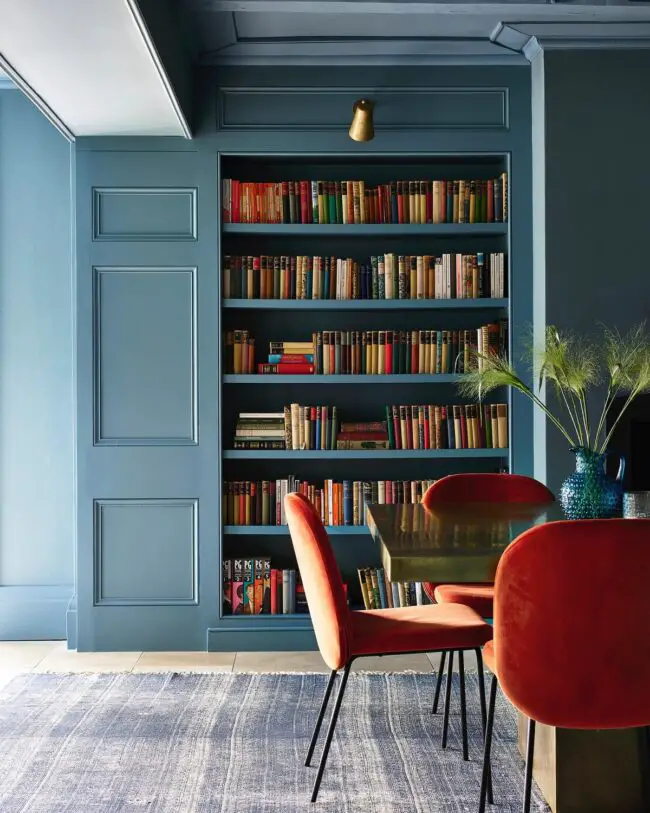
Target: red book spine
284 359
409 428
388 352
379 215
429 203
305 202
389 492
427 437
443 202
282 369
362 436
274 592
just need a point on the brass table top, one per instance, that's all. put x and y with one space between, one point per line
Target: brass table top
455 543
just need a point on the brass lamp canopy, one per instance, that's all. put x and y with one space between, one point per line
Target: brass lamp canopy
362 127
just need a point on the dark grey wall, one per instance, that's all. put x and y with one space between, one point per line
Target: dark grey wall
596 167
36 374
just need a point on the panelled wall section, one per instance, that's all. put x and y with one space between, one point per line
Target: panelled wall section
156 407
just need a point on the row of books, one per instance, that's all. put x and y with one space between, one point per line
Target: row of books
423 426
253 587
378 593
261 502
239 352
355 201
386 352
385 276
458 426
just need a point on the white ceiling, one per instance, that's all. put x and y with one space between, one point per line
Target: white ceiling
87 60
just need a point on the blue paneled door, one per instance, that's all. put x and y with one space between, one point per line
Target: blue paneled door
147 463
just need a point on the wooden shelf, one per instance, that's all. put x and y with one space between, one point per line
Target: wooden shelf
365 304
367 229
398 378
361 454
283 530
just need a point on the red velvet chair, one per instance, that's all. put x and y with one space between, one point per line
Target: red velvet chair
564 591
343 635
460 488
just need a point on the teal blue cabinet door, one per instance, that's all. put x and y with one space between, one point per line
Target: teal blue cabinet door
147 445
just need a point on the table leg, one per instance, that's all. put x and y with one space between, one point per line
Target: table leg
591 771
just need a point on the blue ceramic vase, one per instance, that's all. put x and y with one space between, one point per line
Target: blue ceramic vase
589 493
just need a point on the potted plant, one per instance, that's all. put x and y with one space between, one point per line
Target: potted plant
572 368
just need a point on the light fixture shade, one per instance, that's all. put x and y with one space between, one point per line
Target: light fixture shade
362 127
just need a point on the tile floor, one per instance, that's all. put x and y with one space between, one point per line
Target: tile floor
53 656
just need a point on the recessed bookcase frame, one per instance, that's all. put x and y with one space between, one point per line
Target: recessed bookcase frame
296 319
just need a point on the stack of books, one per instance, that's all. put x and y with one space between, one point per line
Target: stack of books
406 201
384 276
253 587
239 352
363 435
378 593
261 502
260 430
294 358
459 426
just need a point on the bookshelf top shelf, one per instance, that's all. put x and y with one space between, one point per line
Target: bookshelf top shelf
367 229
360 454
365 304
393 378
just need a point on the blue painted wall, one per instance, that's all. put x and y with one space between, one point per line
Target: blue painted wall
595 175
36 374
148 439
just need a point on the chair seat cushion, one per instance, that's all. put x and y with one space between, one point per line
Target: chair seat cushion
480 597
489 660
425 628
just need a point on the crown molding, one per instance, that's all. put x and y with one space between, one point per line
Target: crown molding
539 37
150 45
34 97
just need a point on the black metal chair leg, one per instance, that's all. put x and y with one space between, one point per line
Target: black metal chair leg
530 754
321 714
445 724
463 707
330 731
441 669
486 775
481 689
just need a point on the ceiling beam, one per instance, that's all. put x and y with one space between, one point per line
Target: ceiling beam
372 6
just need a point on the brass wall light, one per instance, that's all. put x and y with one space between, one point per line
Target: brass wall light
362 127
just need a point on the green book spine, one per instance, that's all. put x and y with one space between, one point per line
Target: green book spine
375 278
389 426
314 201
331 191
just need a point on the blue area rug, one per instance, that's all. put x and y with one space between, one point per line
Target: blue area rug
235 743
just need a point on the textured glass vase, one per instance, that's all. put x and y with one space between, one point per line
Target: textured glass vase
589 493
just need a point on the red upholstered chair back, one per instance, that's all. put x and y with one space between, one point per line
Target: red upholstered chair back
486 488
572 623
321 579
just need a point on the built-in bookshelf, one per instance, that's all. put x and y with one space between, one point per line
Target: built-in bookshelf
358 396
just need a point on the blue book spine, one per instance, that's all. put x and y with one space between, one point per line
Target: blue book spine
451 435
382 587
348 517
318 428
276 358
395 591
292 591
393 206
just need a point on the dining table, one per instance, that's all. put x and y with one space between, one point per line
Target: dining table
577 771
